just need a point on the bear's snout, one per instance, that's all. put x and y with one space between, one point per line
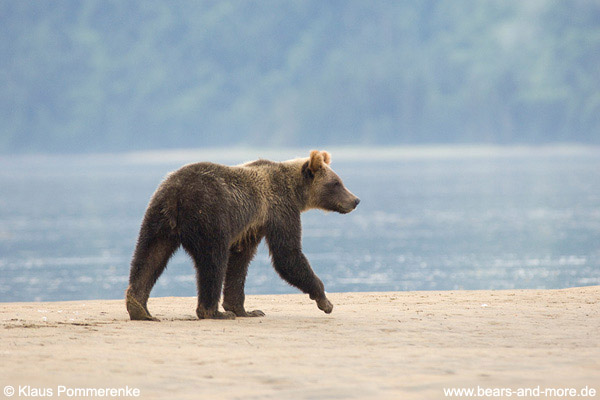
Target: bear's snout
348 206
354 203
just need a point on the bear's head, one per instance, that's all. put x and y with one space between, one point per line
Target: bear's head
326 189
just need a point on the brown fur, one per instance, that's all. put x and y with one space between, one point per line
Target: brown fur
219 215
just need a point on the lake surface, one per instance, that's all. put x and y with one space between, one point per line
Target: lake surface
429 219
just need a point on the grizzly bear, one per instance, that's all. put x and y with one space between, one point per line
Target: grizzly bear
219 215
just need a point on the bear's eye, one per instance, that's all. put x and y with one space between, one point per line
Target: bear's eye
335 184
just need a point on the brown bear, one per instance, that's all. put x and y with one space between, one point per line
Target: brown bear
219 215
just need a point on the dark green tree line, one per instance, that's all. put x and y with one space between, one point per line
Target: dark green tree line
120 75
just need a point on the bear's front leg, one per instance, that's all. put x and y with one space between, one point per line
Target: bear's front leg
240 312
324 304
291 264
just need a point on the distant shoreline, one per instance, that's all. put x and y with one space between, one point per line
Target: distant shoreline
238 154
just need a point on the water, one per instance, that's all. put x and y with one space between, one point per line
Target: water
430 219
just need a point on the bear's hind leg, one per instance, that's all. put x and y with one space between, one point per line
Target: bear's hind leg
149 261
235 279
210 272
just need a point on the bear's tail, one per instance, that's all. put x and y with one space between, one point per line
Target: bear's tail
170 210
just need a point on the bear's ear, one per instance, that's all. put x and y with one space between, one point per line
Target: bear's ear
315 162
306 172
326 157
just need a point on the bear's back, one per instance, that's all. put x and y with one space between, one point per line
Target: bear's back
259 163
213 194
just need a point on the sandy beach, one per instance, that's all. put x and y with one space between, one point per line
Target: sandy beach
393 345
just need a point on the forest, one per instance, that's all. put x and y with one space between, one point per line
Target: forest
115 75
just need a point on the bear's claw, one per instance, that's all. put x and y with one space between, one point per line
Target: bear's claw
325 305
136 311
255 313
215 314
